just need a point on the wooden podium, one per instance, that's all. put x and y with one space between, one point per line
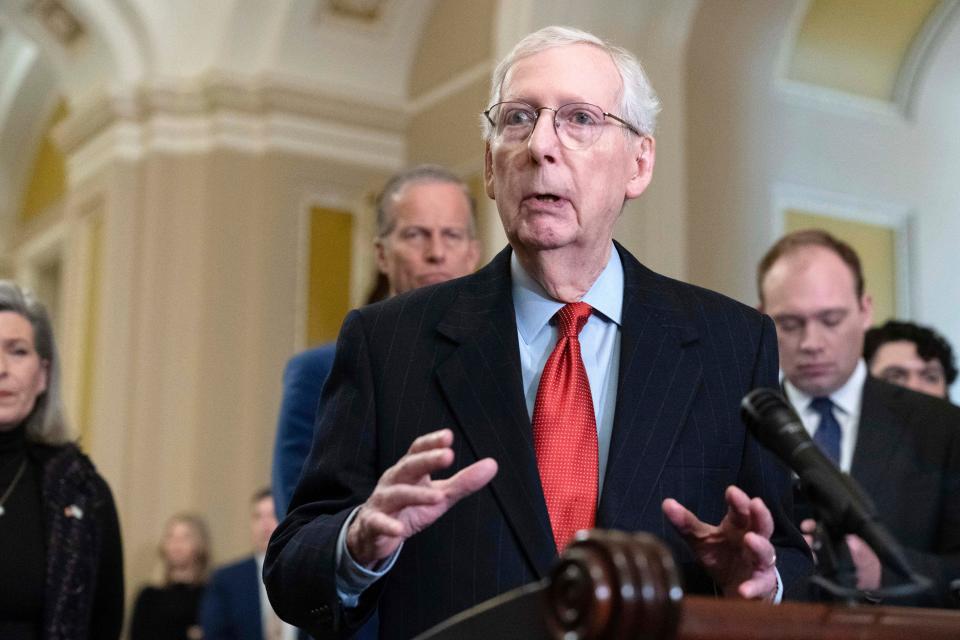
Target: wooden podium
617 586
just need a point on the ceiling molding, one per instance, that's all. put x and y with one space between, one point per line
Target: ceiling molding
918 56
256 118
263 98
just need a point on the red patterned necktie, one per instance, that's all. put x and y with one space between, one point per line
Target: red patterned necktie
565 431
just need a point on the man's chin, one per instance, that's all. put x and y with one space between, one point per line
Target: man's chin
816 385
437 278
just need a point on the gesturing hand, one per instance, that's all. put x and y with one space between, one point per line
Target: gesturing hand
406 500
737 553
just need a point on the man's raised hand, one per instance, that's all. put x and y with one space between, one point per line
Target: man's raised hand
406 500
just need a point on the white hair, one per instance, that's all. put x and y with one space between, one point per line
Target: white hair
639 104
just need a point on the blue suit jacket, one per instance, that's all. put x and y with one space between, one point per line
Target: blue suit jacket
447 356
230 609
303 379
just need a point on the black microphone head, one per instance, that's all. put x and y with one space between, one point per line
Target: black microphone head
774 423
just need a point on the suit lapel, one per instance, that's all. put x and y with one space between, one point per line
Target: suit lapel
482 383
878 438
658 379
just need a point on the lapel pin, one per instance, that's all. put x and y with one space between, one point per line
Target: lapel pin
73 511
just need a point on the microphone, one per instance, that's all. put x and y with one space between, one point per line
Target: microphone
843 505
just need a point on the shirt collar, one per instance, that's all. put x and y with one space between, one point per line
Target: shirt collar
847 398
534 307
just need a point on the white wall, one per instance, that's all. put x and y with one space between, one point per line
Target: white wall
751 136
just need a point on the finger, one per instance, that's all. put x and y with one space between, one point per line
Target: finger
469 479
412 468
738 508
374 523
763 582
682 518
808 526
760 550
760 517
394 498
760 587
433 440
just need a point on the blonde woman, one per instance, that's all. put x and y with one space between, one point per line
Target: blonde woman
171 611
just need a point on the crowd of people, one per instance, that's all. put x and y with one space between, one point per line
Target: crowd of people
462 429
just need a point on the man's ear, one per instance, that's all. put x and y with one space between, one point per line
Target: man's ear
866 304
488 172
381 255
643 157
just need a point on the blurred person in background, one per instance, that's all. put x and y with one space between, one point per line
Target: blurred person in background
235 605
171 611
900 446
911 356
426 233
61 565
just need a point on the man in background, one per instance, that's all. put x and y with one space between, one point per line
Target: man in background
426 233
235 605
902 447
911 356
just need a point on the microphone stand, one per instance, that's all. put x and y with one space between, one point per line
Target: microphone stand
836 572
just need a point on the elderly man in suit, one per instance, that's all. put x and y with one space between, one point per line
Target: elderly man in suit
537 436
235 605
426 233
902 447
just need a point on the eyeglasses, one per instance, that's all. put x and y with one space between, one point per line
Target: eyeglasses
578 124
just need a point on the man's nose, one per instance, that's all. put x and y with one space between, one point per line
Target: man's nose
544 141
811 338
436 250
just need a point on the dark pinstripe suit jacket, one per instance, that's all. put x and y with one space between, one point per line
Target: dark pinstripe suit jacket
907 458
447 356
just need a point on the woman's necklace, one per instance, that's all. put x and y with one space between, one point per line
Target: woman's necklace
13 485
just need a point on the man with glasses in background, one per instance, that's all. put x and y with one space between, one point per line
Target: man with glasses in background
572 388
426 233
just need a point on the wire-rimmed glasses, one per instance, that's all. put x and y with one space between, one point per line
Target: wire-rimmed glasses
578 124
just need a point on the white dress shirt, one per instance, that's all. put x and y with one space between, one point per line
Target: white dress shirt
846 409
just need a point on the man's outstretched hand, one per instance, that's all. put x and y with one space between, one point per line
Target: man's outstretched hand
406 500
737 553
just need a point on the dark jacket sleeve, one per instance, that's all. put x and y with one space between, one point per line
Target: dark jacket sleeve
339 474
106 618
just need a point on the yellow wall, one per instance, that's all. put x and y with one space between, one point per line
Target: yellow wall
329 280
857 46
48 180
90 328
875 245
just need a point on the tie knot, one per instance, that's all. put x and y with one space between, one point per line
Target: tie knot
572 317
822 405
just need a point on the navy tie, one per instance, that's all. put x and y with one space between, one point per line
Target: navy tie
827 435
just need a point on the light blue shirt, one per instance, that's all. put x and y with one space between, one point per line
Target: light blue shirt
599 341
